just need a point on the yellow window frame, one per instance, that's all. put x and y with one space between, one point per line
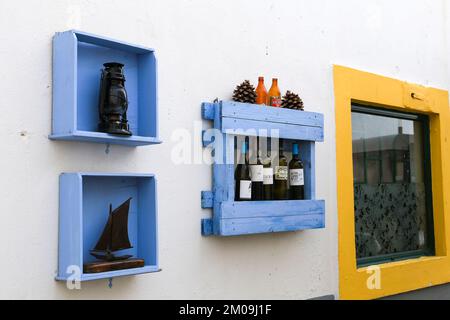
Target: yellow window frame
352 85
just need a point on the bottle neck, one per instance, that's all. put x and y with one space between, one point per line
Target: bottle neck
281 147
269 147
244 153
258 152
295 151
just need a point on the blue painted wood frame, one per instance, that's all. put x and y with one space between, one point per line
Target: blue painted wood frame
232 218
77 60
83 211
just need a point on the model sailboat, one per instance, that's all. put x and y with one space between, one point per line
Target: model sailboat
114 238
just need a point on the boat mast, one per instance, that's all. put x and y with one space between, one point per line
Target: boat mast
110 244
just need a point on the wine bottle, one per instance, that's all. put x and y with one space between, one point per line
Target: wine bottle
256 174
267 174
274 95
280 191
261 92
242 177
296 175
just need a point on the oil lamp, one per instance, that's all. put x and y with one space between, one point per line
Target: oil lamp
113 102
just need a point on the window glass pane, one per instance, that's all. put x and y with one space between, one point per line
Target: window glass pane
387 170
390 187
373 171
358 168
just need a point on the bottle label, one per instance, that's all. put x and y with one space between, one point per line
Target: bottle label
256 173
268 175
281 172
296 177
245 189
275 101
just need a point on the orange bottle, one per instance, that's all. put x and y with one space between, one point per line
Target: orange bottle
274 96
261 92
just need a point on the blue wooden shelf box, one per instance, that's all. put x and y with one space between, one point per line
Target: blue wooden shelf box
84 200
78 58
248 217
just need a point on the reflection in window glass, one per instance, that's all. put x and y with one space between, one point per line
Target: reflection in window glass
392 207
387 171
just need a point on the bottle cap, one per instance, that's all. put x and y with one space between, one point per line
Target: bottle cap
295 148
260 78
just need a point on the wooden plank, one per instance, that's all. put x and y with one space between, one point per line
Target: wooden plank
223 174
207 139
207 227
208 111
286 131
277 209
70 244
105 138
114 174
119 273
65 53
109 42
230 227
249 111
147 92
147 228
207 199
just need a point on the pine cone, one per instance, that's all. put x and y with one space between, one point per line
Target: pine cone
244 92
292 101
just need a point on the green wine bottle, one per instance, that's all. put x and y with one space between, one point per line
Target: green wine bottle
281 177
267 174
256 173
242 177
296 175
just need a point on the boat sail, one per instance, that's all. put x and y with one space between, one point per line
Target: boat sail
115 235
114 238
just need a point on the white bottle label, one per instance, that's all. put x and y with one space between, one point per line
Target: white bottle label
256 173
281 172
268 175
245 189
296 177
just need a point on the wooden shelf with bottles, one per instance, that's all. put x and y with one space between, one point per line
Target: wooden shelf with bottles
230 217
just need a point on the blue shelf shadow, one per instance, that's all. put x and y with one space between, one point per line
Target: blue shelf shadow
232 218
84 208
78 58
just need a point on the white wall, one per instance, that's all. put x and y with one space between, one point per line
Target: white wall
204 49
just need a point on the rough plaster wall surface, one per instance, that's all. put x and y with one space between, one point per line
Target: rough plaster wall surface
204 48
